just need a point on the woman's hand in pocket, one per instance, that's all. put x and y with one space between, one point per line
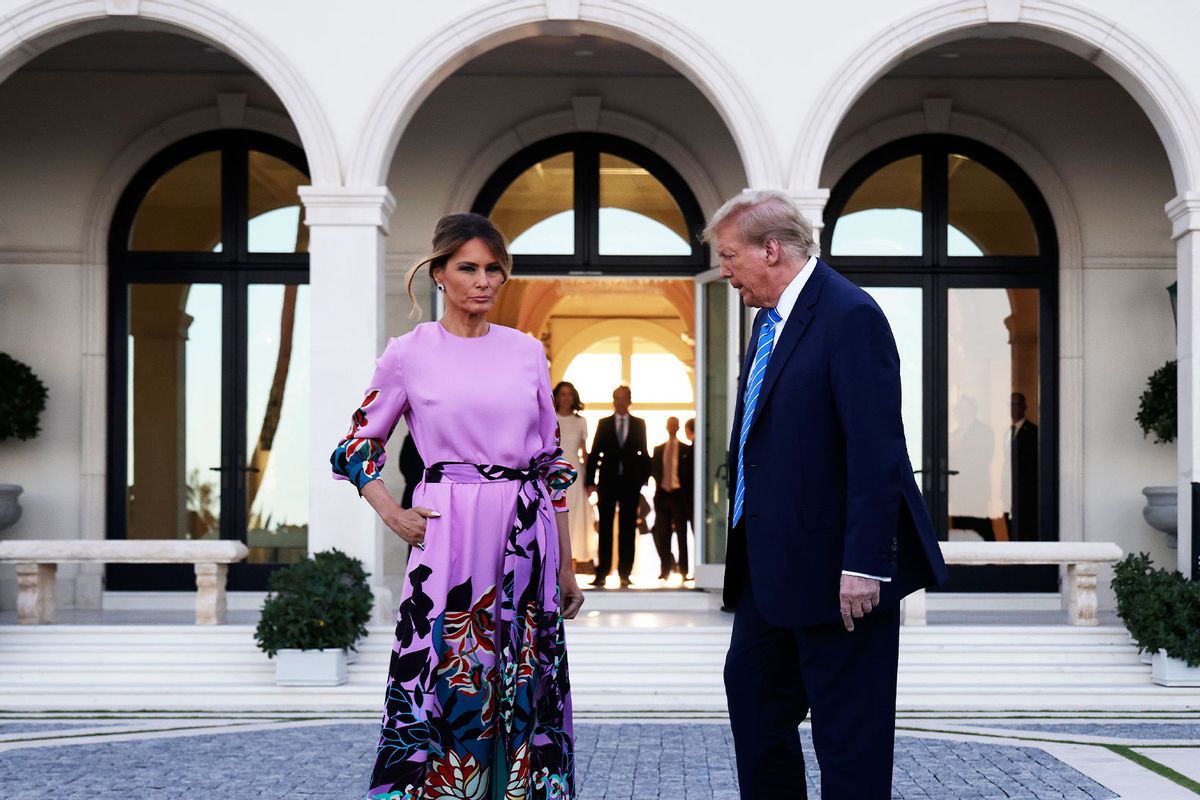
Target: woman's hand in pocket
410 524
407 523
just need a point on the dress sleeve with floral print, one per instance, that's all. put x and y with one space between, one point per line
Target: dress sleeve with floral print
360 456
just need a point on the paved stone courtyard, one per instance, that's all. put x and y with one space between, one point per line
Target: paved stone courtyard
244 758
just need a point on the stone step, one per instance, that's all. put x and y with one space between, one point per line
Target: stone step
105 679
165 637
125 660
587 701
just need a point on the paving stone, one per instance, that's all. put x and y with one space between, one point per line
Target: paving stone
1134 731
628 761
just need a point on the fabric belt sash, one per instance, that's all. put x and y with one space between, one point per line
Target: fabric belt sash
466 472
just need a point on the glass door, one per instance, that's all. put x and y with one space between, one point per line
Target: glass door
275 483
718 350
174 349
957 247
209 348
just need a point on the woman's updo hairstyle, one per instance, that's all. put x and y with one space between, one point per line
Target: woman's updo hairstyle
452 232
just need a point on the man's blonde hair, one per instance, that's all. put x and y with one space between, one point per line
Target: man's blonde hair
765 214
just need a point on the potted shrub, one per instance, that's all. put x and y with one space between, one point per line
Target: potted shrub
1134 578
1157 415
315 612
1161 610
1177 626
21 405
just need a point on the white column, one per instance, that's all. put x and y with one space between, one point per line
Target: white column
346 275
812 205
1184 212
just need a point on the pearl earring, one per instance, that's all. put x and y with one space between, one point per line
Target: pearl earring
441 288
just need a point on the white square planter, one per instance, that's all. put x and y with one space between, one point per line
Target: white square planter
310 667
1173 671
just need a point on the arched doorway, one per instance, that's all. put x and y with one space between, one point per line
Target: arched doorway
208 343
958 248
605 241
594 204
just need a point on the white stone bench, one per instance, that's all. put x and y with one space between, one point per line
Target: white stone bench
37 563
1082 560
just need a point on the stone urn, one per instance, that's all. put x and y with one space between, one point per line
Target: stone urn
10 508
1161 511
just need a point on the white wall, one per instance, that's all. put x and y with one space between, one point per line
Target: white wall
39 325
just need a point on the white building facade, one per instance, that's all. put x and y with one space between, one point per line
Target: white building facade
183 177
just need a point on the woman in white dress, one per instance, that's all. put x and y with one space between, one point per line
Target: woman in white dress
574 434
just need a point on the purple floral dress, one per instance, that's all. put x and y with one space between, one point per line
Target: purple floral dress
478 698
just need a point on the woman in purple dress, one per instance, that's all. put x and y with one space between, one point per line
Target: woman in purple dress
478 699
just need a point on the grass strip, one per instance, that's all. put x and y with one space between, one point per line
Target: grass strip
1155 767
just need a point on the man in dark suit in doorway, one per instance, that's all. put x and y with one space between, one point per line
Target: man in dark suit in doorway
1024 460
827 527
620 455
672 472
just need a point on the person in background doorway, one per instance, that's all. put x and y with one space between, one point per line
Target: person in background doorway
619 454
573 429
671 468
1024 461
689 430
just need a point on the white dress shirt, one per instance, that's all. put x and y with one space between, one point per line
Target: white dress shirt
671 465
787 302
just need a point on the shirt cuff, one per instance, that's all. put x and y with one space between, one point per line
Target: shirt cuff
864 575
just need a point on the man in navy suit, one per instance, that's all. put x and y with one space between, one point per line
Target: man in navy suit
828 530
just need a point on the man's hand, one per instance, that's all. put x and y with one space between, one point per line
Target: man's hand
858 597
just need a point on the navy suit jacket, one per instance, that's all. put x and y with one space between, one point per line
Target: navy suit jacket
829 486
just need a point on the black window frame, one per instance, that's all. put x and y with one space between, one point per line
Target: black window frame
235 268
586 259
937 273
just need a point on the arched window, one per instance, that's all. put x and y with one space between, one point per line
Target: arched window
958 248
208 333
595 204
940 202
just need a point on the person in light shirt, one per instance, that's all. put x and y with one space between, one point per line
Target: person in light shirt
672 473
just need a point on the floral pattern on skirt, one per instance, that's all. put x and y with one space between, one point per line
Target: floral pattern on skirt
478 701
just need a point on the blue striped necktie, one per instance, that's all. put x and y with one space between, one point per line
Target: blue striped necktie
766 341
